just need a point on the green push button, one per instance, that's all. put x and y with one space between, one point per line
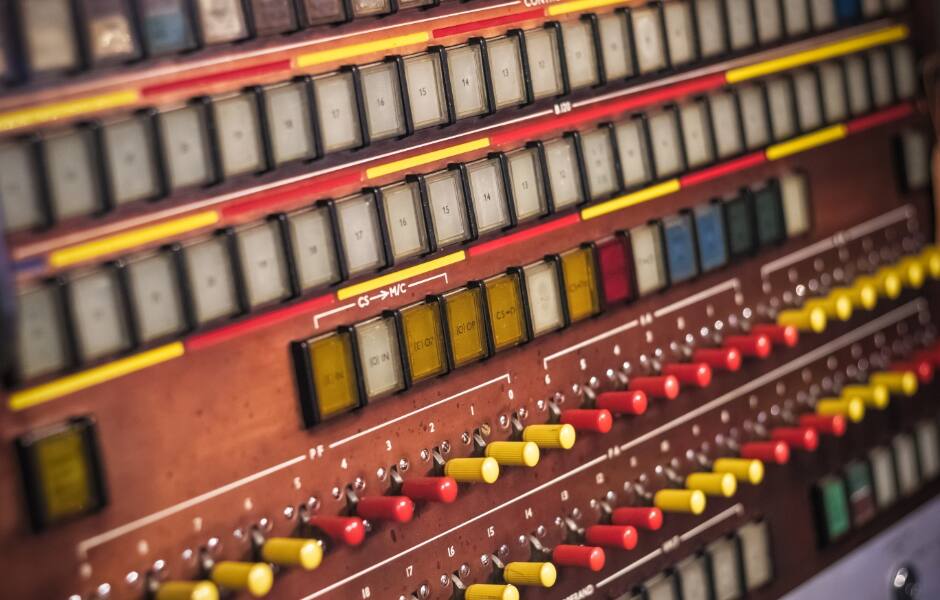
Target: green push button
832 508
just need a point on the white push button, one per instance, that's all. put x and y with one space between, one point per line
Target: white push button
211 279
756 555
19 187
525 175
667 147
601 173
425 90
648 38
404 220
578 37
544 297
506 71
679 32
648 260
857 78
379 358
290 128
782 113
360 237
381 98
72 170
696 132
40 333
156 296
541 46
313 247
337 115
615 45
447 208
808 105
632 149
261 256
711 28
740 23
835 103
98 312
487 195
238 134
465 69
769 21
725 124
754 116
130 161
184 139
563 172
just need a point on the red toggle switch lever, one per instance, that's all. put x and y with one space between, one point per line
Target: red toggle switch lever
641 517
430 489
343 530
754 345
775 451
923 368
588 419
696 374
631 402
784 335
623 537
658 387
828 424
398 509
586 557
804 438
721 359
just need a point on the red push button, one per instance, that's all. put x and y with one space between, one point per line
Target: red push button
615 268
598 420
828 424
585 557
630 402
804 438
612 536
398 509
721 359
344 530
697 374
754 345
658 387
783 335
431 489
775 451
641 517
921 367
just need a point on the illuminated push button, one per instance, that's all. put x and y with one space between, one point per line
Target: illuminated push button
550 436
424 347
625 403
472 470
254 578
649 518
597 420
504 310
585 557
344 530
623 537
897 382
783 335
544 297
888 281
805 319
755 345
874 396
536 574
398 509
829 424
804 438
837 305
776 451
863 293
696 374
922 368
465 325
580 280
713 484
749 470
490 591
930 259
334 377
293 552
851 408
513 454
658 387
431 489
680 501
722 359
187 590
912 272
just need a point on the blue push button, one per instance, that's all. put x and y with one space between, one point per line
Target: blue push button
710 230
680 248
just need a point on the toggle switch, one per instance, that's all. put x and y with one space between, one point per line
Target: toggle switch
930 259
256 578
584 557
920 367
837 305
560 436
623 403
665 386
781 335
623 537
535 574
649 518
748 470
187 590
293 552
695 374
680 501
852 409
342 530
712 484
911 272
721 359
513 454
773 451
472 470
888 282
897 382
754 345
863 293
873 395
805 319
804 438
397 509
491 591
430 489
834 425
598 420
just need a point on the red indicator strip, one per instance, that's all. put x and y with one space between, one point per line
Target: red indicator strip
215 78
525 235
461 28
727 168
223 334
310 189
880 118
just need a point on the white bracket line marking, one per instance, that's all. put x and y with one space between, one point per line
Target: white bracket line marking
731 284
419 410
634 565
427 279
332 311
589 341
85 545
902 213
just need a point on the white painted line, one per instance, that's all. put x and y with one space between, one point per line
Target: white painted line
419 410
427 279
737 509
589 341
794 257
333 311
635 564
731 284
902 213
85 545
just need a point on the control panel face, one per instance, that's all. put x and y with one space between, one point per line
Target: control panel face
413 300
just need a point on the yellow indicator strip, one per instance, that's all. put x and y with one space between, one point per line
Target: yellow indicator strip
47 113
577 6
428 157
638 197
130 239
807 142
313 59
398 276
851 45
69 384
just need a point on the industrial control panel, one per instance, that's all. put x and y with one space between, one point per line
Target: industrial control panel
479 300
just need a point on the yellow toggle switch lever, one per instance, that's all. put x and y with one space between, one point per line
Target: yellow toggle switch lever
836 304
911 272
930 259
254 578
680 501
472 470
514 454
550 436
749 470
888 281
537 574
713 484
490 591
873 395
187 590
804 319
897 382
862 293
852 408
293 552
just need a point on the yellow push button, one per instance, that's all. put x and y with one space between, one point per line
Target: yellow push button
424 340
504 310
804 319
293 552
550 436
254 578
187 590
837 305
577 267
897 382
888 281
489 591
912 272
852 408
538 574
873 395
930 259
713 484
680 501
863 293
467 334
334 374
514 454
472 470
749 470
